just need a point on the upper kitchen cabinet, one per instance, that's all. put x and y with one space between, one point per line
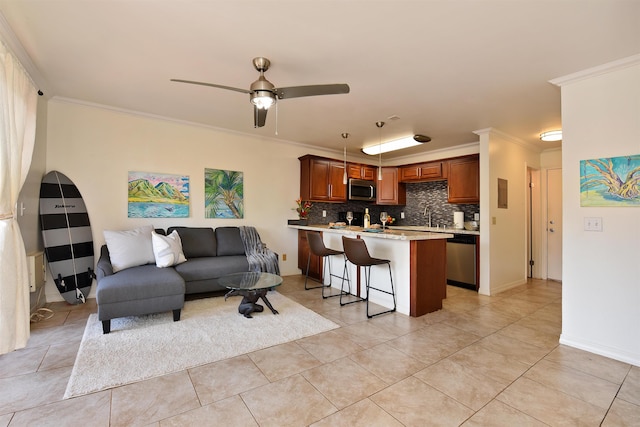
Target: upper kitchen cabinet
358 171
464 179
389 190
423 172
321 180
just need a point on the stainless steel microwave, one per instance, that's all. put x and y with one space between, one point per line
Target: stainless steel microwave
360 189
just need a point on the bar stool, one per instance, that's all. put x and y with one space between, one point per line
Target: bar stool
355 250
317 248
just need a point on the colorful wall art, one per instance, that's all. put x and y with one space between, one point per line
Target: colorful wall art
613 181
223 194
158 195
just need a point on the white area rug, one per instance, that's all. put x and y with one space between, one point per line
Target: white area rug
209 330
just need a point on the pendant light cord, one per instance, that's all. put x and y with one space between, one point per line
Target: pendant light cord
345 135
379 125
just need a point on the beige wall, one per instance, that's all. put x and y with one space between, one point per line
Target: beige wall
503 244
601 270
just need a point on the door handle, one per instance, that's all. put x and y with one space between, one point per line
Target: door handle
551 230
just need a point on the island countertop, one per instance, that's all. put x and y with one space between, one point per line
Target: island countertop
392 234
418 264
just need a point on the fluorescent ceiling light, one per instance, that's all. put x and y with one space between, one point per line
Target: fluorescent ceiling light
396 144
552 135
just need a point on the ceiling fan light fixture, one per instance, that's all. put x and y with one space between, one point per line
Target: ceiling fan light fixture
396 144
263 99
552 135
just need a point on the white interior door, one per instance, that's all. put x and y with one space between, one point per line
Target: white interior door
554 224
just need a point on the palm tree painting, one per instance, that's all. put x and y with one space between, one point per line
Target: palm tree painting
613 181
223 194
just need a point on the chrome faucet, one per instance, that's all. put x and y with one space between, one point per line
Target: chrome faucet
427 213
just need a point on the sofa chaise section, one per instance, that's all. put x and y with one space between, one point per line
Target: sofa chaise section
136 291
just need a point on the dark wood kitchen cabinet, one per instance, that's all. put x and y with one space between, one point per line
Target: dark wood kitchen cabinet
315 264
389 190
423 172
359 171
322 180
464 179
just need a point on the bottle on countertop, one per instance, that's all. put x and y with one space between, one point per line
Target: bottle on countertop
367 218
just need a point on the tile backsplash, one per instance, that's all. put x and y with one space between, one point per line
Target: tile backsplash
420 195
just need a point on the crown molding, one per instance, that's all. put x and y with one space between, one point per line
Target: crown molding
597 71
510 138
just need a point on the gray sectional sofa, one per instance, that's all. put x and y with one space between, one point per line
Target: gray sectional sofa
210 254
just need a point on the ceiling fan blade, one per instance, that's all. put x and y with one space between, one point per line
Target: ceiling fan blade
212 85
260 116
300 91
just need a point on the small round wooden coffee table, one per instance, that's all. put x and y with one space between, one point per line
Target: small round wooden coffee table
251 286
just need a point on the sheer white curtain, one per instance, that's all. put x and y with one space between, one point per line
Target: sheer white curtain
18 103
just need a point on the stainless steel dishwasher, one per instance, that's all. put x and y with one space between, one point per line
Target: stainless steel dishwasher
461 261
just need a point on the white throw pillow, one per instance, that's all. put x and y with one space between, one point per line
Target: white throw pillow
167 249
130 248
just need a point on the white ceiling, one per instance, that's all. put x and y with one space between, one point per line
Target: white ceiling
445 68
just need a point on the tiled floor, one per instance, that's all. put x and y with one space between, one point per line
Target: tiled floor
481 361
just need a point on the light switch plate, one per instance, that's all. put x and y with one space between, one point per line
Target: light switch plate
593 224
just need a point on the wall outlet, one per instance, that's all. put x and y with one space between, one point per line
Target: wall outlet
493 220
592 224
476 217
401 215
284 257
324 214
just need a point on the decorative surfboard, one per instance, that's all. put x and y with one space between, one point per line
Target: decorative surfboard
66 232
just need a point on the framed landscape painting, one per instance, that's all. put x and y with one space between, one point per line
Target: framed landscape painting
158 195
613 181
223 194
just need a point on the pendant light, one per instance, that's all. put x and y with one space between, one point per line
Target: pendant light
345 135
379 125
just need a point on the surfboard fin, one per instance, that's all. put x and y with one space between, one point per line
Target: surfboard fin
80 295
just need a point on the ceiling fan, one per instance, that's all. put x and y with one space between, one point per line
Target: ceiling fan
263 94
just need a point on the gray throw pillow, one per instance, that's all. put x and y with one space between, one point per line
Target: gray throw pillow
197 242
229 241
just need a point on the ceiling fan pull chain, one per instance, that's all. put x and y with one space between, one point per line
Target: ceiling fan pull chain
276 118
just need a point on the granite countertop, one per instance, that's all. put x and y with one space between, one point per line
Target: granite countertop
393 234
423 228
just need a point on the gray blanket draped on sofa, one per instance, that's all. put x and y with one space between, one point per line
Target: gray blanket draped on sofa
259 256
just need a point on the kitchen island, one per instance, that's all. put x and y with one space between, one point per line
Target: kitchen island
418 265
